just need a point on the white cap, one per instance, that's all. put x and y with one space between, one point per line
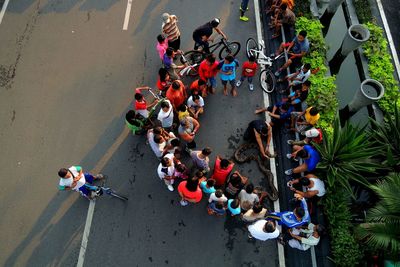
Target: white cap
312 133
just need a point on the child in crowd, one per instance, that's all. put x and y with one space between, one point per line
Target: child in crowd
181 172
208 186
199 87
164 81
234 207
216 208
248 71
162 45
218 196
196 105
228 73
141 106
182 112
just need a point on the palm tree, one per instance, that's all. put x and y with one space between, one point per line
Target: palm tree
382 228
346 155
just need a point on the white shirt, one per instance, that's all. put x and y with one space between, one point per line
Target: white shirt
68 182
166 171
256 231
302 76
157 148
318 185
166 118
213 197
191 103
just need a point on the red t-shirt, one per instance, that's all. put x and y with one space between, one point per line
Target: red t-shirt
249 69
140 104
196 196
177 97
319 138
162 86
220 174
206 71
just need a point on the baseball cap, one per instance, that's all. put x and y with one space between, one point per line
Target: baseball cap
312 133
165 17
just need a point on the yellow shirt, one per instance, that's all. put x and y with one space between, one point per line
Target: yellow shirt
310 118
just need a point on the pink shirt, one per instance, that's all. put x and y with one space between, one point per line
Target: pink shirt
161 48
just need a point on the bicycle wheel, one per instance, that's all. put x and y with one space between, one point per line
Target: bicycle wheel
267 81
193 57
251 45
232 48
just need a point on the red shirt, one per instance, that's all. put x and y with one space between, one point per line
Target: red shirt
318 139
220 174
162 86
196 196
140 104
206 71
249 69
177 97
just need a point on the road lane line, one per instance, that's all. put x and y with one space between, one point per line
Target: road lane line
3 10
127 14
99 166
281 253
389 37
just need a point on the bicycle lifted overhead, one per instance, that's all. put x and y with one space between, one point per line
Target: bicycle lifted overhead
267 77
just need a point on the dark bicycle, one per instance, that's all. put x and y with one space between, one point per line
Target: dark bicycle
98 190
228 48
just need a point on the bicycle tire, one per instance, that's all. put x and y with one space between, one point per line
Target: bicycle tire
267 81
232 48
251 44
193 57
193 72
113 194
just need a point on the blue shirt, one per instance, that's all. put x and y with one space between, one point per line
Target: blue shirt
226 67
215 209
232 210
284 115
289 219
203 186
167 61
299 47
314 158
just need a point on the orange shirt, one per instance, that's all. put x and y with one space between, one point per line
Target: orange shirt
289 3
177 97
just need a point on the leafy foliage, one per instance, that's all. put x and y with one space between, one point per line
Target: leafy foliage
363 10
382 229
302 9
380 67
323 89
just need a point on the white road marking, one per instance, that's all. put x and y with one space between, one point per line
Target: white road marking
281 253
127 14
389 37
3 10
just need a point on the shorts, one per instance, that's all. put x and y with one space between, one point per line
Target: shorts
296 61
231 82
83 189
212 81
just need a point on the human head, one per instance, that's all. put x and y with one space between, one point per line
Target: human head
306 85
192 184
215 22
320 229
206 151
210 58
219 205
235 203
163 74
160 38
313 111
169 51
157 130
210 182
285 106
312 133
224 163
302 154
175 142
199 174
219 193
252 58
264 130
283 6
165 106
229 58
235 179
302 36
196 98
180 168
304 181
299 212
165 162
63 172
158 139
177 153
306 67
138 97
257 208
176 85
201 83
269 226
182 108
165 17
130 118
249 188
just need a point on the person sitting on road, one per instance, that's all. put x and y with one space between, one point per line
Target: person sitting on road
201 35
166 170
314 186
298 217
187 131
218 196
189 191
256 131
169 65
279 113
263 230
141 106
199 87
73 178
234 184
296 49
303 121
196 105
285 17
255 213
234 207
314 135
303 239
200 159
310 156
208 69
222 168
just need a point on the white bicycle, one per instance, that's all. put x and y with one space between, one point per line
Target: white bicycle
267 77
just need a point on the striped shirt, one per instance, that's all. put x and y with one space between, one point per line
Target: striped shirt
171 29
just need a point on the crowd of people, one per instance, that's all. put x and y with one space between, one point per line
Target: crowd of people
173 134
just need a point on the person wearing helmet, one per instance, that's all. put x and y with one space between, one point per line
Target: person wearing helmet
202 34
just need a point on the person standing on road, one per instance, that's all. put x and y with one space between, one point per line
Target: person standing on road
201 160
244 6
166 170
208 69
171 31
176 94
74 178
228 73
201 35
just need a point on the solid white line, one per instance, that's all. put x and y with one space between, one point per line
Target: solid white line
389 37
127 14
3 10
86 232
281 253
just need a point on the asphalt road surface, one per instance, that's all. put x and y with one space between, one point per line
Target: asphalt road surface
392 12
67 73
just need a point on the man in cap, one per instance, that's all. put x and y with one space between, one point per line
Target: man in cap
202 34
312 135
171 31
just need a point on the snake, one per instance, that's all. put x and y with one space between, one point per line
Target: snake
241 157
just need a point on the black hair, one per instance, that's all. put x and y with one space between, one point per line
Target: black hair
307 83
313 111
283 6
252 58
182 108
157 130
300 212
321 229
269 226
180 167
235 179
160 38
210 58
303 33
176 85
219 205
210 182
229 58
164 161
199 174
264 130
163 73
304 181
201 82
138 96
164 104
249 188
192 184
307 66
257 208
157 138
169 51
195 97
302 154
224 163
206 151
131 118
175 142
285 106
235 203
62 172
219 193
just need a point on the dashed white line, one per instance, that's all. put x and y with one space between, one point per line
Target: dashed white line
127 15
3 10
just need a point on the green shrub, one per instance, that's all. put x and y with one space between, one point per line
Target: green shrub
363 10
323 88
380 67
302 9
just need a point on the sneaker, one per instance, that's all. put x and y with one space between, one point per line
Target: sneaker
277 73
290 142
238 83
289 156
244 18
170 188
99 176
251 87
289 172
183 203
250 236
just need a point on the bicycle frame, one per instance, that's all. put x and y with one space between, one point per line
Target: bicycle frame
186 70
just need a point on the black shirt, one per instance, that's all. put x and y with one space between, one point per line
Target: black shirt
204 30
258 125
